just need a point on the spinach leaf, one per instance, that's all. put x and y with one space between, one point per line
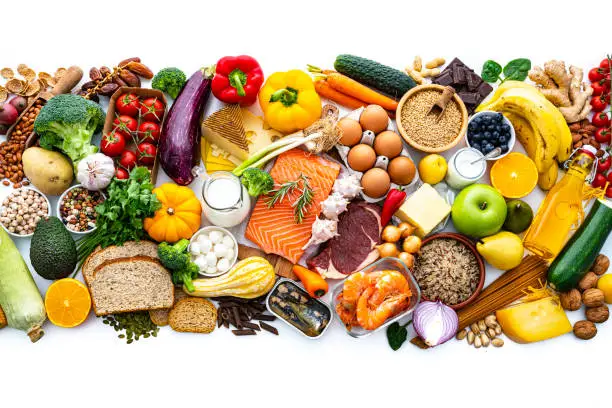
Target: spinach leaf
397 335
517 69
491 71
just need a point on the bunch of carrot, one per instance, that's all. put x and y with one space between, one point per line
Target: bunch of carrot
348 92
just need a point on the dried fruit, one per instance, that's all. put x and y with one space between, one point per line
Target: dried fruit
108 89
597 314
585 329
601 264
130 78
571 300
127 60
7 73
94 74
139 69
593 297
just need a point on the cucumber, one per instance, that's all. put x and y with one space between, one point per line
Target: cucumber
388 80
581 250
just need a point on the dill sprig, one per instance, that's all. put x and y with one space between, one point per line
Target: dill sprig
304 200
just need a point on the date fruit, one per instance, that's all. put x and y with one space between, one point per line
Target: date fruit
130 78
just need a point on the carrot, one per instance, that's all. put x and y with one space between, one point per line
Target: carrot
326 91
314 283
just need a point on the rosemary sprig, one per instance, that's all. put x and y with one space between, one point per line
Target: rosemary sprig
300 206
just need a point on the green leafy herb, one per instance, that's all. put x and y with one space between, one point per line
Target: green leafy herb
300 206
397 335
515 70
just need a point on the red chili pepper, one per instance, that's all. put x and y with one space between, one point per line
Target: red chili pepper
237 80
394 201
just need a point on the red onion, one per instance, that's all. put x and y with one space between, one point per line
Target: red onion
435 322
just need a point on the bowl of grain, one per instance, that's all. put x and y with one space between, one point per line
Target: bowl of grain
427 131
448 268
22 209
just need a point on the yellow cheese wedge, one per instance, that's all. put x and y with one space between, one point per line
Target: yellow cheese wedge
215 159
424 209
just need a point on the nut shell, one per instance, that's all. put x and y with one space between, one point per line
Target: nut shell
593 298
585 330
601 264
588 281
571 300
597 314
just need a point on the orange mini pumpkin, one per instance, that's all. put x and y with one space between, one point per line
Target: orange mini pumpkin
179 217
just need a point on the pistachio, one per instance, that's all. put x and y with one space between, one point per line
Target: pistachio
474 327
497 342
481 325
477 342
491 333
461 334
470 338
485 340
490 321
498 330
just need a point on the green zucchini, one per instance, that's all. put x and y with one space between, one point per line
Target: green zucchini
388 80
583 247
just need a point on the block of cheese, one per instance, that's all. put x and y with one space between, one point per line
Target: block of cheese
216 159
424 210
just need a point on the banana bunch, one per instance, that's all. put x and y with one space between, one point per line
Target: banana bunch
538 124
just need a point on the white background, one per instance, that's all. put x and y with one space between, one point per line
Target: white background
89 366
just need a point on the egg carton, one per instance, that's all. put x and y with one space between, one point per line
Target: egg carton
381 161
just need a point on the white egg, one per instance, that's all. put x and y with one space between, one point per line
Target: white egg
230 254
194 248
203 237
215 236
223 264
200 261
220 250
228 241
211 270
211 259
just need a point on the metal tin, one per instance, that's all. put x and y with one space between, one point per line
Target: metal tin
290 282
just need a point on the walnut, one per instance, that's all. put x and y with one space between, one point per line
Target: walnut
585 330
593 297
588 281
601 264
571 300
597 314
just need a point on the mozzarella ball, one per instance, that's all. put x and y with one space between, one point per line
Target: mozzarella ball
223 264
228 241
203 237
194 248
211 270
220 250
211 259
230 254
201 262
215 236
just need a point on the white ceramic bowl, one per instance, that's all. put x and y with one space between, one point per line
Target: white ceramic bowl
224 231
511 142
20 189
59 214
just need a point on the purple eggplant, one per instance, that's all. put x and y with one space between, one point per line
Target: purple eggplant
180 136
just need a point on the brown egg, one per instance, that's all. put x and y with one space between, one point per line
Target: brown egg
374 118
375 182
351 131
388 144
401 170
361 157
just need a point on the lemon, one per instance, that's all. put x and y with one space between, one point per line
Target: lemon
432 168
605 285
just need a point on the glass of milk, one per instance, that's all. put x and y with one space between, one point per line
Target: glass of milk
226 201
465 167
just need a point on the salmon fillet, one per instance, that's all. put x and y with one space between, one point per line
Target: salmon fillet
274 229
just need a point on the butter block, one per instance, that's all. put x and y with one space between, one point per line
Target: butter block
424 210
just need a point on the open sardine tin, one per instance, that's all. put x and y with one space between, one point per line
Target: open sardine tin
387 263
314 306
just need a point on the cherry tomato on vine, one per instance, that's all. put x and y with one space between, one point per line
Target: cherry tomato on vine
146 153
128 159
152 110
128 104
609 192
601 120
599 181
604 165
599 103
125 124
112 144
599 87
602 135
121 174
605 64
148 132
596 74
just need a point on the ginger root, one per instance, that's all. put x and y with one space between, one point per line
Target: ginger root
564 89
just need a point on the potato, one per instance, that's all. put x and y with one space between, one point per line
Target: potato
51 172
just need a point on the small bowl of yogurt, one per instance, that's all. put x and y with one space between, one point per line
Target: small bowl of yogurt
214 250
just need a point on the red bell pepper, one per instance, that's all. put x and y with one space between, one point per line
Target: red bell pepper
237 80
393 202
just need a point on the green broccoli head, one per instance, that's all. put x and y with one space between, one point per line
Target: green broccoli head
174 257
68 122
169 80
186 276
257 181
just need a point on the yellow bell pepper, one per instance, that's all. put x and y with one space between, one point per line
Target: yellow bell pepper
534 321
289 101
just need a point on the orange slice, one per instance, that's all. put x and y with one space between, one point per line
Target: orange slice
67 302
514 175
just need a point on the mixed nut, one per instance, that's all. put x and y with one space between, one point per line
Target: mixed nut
77 210
105 81
22 209
483 333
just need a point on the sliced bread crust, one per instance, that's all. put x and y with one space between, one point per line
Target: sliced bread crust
127 250
160 317
193 315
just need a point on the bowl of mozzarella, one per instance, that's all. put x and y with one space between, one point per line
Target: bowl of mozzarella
214 250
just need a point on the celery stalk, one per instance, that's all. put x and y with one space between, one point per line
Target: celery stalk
266 151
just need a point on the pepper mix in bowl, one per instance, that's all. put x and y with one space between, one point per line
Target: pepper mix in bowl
78 209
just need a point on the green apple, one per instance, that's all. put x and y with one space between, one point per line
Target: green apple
479 211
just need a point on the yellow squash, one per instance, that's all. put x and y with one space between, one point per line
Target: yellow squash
178 218
250 278
538 320
289 101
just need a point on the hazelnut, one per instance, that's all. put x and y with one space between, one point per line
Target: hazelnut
585 330
601 264
588 281
597 314
593 297
571 300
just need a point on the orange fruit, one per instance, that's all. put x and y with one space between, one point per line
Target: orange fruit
67 302
514 175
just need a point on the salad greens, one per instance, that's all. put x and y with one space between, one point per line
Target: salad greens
515 70
397 335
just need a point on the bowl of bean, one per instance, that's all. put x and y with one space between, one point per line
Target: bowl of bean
22 209
76 208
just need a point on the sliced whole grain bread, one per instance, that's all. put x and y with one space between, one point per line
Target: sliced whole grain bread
193 315
129 285
160 317
127 250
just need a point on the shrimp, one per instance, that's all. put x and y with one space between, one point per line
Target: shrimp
389 284
347 316
354 286
372 318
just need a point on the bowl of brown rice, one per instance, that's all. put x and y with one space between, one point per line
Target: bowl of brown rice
427 131
448 268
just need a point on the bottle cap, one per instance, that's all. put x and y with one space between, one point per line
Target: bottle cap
590 150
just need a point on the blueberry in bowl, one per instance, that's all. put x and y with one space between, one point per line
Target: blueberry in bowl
489 130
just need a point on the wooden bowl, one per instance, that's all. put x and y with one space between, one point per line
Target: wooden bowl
415 144
481 266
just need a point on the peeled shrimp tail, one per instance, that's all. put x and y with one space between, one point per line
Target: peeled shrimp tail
372 318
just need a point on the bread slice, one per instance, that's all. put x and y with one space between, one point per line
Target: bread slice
160 317
128 249
129 285
193 315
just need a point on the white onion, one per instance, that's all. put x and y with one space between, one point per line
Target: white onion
435 322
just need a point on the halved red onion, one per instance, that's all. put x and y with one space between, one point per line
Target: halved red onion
435 322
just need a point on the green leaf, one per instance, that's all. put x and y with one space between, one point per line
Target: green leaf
517 69
491 71
396 335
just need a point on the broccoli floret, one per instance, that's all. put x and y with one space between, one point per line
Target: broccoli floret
169 80
175 256
186 275
68 122
257 181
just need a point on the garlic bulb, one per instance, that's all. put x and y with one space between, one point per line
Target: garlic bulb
333 206
322 231
348 186
95 171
